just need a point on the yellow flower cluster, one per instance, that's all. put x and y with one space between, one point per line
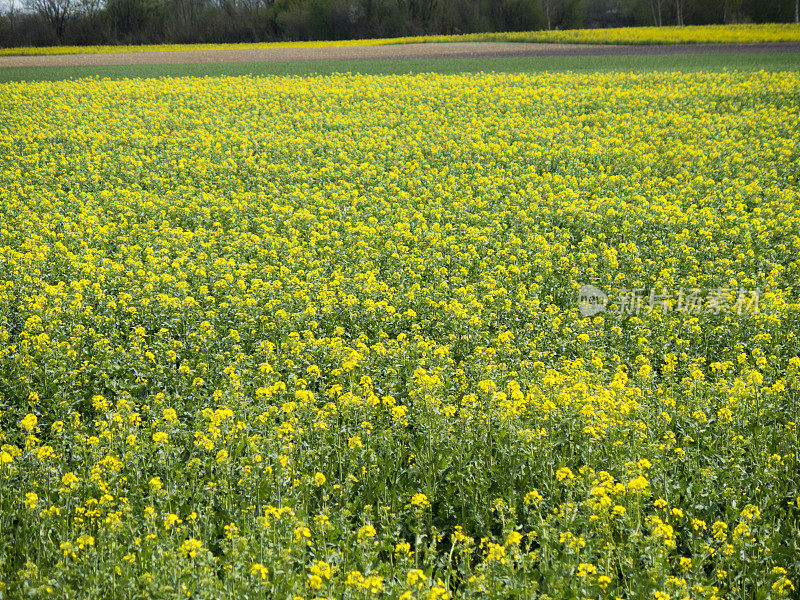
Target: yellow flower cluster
320 336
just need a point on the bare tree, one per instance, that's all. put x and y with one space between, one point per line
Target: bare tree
655 6
89 8
54 12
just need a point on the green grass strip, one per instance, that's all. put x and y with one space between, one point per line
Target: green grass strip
685 63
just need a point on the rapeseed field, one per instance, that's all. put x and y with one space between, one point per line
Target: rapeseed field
750 33
333 337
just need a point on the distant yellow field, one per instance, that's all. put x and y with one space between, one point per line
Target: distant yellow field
702 34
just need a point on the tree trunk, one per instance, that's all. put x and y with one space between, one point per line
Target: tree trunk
655 7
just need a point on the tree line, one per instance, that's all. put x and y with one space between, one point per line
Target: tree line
47 22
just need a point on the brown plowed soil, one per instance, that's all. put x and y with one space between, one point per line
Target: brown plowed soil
396 51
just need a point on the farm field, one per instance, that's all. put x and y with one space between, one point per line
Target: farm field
670 35
686 63
320 336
